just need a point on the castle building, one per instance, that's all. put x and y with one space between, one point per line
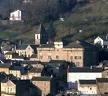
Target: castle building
80 53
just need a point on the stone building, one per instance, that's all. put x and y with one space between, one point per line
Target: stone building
43 83
41 36
4 68
76 74
26 50
102 86
34 72
87 87
14 87
80 53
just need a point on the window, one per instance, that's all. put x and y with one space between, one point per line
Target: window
37 36
41 57
77 57
57 57
71 57
49 57
77 64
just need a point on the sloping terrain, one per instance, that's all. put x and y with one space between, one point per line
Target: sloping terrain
85 22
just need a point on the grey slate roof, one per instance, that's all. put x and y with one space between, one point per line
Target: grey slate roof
30 62
35 70
80 44
87 81
24 46
85 69
5 65
34 56
40 29
43 78
102 80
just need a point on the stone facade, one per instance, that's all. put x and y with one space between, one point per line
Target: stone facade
76 54
43 83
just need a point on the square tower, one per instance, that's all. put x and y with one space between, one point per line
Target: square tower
41 36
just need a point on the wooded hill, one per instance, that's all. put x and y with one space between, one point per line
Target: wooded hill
83 19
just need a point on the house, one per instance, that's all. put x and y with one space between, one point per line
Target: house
34 72
15 87
5 68
26 50
8 55
33 57
7 88
16 71
76 74
87 87
13 56
24 75
103 42
102 86
35 64
41 36
80 53
43 83
16 15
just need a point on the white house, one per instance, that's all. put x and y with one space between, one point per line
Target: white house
16 16
102 42
87 87
76 74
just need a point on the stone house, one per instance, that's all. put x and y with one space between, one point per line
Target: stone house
34 72
15 87
4 68
35 64
87 87
26 50
43 83
8 55
34 57
16 71
76 74
102 85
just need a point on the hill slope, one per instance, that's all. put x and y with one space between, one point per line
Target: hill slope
86 21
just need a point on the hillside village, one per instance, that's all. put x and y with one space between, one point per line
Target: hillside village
52 67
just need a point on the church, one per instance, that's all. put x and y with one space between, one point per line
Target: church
41 36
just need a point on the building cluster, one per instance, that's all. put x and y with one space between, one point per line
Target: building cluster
52 69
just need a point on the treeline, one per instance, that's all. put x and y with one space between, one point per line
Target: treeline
46 10
38 10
